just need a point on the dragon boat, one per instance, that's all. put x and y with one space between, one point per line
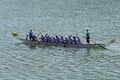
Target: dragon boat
85 45
81 45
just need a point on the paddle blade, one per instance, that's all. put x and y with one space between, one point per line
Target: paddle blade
112 41
15 34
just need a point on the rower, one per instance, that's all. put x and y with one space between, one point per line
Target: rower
50 38
54 39
47 38
66 40
62 39
70 40
57 39
74 39
78 40
42 38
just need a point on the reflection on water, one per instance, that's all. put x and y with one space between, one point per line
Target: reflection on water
32 46
88 52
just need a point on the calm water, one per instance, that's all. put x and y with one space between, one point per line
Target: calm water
22 62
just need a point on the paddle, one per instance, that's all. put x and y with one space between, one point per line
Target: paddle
111 41
15 34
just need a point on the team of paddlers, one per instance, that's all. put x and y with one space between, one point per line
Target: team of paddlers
57 39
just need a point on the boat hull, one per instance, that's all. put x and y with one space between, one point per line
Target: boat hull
95 45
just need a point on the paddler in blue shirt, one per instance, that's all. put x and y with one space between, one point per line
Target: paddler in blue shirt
47 38
87 36
74 39
57 39
54 39
66 40
70 39
78 40
42 38
62 39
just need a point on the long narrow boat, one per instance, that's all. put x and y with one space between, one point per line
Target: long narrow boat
94 45
83 45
